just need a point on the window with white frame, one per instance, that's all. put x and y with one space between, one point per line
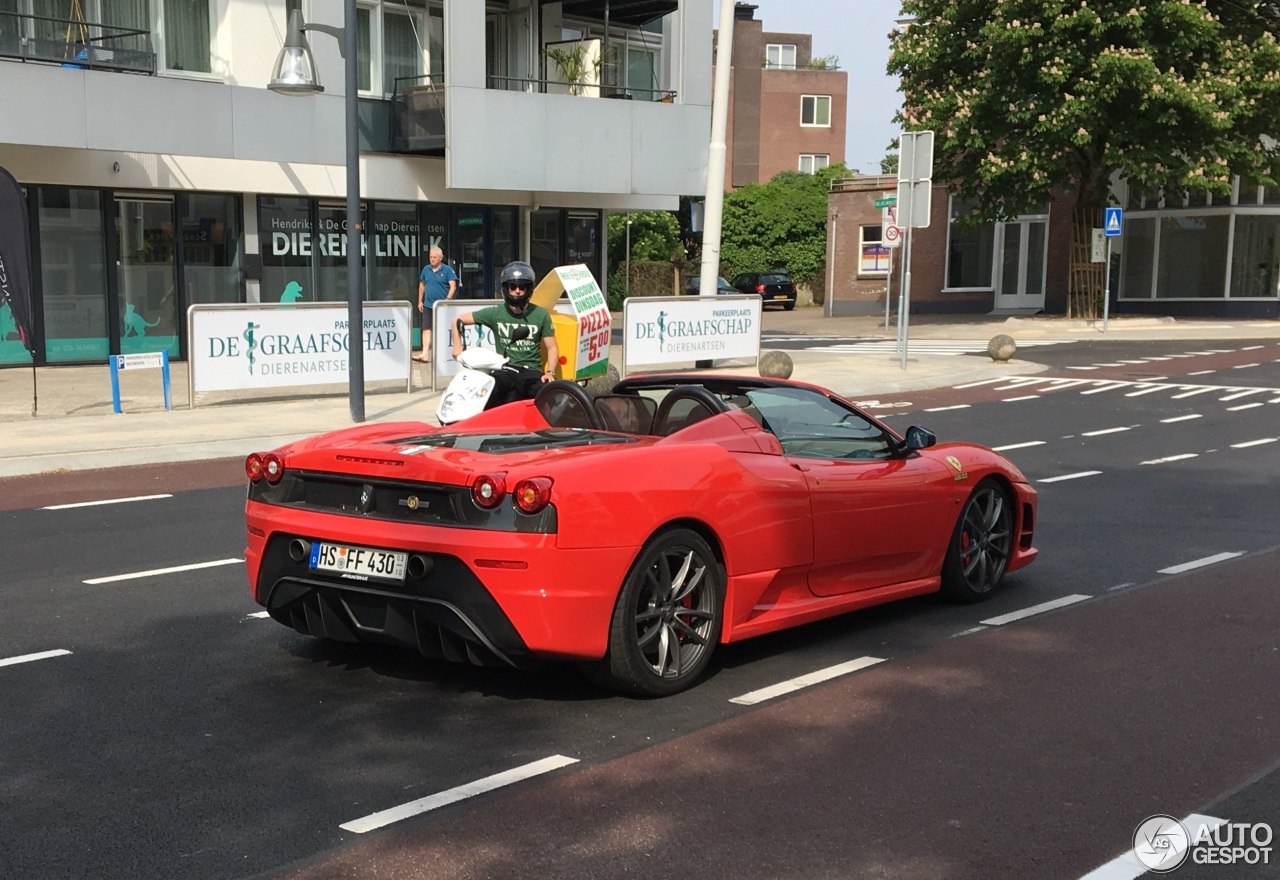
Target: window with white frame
815 110
873 254
397 43
970 250
811 162
178 31
780 55
634 59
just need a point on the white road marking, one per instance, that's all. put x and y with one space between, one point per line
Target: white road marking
1074 476
1151 390
1034 610
157 571
1222 351
976 384
381 819
1081 368
1182 355
1252 347
967 632
1109 365
1245 393
1107 431
1200 563
945 408
1261 442
1194 392
1026 445
1024 397
1169 458
1127 867
1106 386
257 614
1245 406
1134 362
1202 372
1067 383
1015 384
1203 352
105 501
1181 418
27 658
1157 358
1245 366
803 681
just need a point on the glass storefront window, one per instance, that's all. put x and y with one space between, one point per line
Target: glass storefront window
970 251
73 274
503 250
211 248
146 273
1255 258
394 264
582 233
1137 259
285 243
544 238
331 251
1193 257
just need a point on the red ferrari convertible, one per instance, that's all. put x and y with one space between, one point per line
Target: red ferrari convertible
631 532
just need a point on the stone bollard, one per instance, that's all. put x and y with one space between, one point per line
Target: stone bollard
776 365
1001 347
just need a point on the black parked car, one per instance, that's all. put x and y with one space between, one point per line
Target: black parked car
775 288
722 286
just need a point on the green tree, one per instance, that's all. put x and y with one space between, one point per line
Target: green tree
655 235
1033 97
779 224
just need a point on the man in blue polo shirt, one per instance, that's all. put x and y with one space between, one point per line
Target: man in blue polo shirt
436 282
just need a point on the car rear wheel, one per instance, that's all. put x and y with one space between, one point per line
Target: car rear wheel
980 545
667 619
786 307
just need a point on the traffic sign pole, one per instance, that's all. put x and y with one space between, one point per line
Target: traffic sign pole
888 294
1106 286
1112 226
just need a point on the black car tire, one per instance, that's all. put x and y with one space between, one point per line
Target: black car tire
673 597
981 542
786 307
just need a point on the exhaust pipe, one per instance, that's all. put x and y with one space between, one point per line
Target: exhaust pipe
420 566
299 550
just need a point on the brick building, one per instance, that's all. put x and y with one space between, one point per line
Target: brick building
785 113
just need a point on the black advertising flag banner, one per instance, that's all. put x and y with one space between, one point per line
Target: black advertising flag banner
15 262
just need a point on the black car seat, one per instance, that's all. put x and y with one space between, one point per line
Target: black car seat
683 406
566 404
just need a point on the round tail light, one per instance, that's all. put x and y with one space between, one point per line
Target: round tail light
488 490
272 467
759 288
253 466
533 494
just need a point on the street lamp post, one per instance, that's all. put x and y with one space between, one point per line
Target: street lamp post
295 74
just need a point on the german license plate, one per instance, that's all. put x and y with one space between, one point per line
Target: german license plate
782 296
359 563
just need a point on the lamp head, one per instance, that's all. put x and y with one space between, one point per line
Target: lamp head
295 69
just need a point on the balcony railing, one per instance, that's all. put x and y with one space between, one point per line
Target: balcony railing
417 115
76 43
588 89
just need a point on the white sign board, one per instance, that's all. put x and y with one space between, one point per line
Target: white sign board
1097 246
679 329
586 302
290 345
891 236
443 316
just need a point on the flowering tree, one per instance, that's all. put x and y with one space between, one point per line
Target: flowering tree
1034 97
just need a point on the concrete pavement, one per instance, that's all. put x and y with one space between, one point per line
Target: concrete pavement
74 427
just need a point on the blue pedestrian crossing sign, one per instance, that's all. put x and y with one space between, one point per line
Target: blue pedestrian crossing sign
1112 222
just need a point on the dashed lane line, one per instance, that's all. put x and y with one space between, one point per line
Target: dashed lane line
1245 366
1152 390
28 658
1245 406
1002 619
1024 397
257 615
381 819
751 698
1240 394
1012 446
1193 392
1185 418
1169 458
1074 476
1107 386
105 501
1249 443
1107 431
946 408
1202 372
159 571
1200 563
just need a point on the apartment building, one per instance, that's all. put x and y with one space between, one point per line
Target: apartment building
787 110
160 171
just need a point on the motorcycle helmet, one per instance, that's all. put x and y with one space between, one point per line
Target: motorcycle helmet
517 282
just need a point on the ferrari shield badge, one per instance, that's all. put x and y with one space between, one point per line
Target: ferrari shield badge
960 471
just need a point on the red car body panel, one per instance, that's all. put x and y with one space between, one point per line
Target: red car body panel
800 538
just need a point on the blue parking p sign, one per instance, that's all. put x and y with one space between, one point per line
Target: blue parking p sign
1112 222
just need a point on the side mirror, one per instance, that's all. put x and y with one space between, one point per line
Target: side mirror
919 438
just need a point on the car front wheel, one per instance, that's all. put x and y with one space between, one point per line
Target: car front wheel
667 620
980 545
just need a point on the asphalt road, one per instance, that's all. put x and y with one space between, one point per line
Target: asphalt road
182 737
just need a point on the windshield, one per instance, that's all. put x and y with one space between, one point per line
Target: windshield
810 425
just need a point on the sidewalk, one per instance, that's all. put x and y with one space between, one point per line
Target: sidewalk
75 428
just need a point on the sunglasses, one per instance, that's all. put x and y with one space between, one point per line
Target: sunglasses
518 285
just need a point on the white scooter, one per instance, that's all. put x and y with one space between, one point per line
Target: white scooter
469 390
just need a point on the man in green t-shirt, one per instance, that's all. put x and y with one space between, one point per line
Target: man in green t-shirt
522 332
